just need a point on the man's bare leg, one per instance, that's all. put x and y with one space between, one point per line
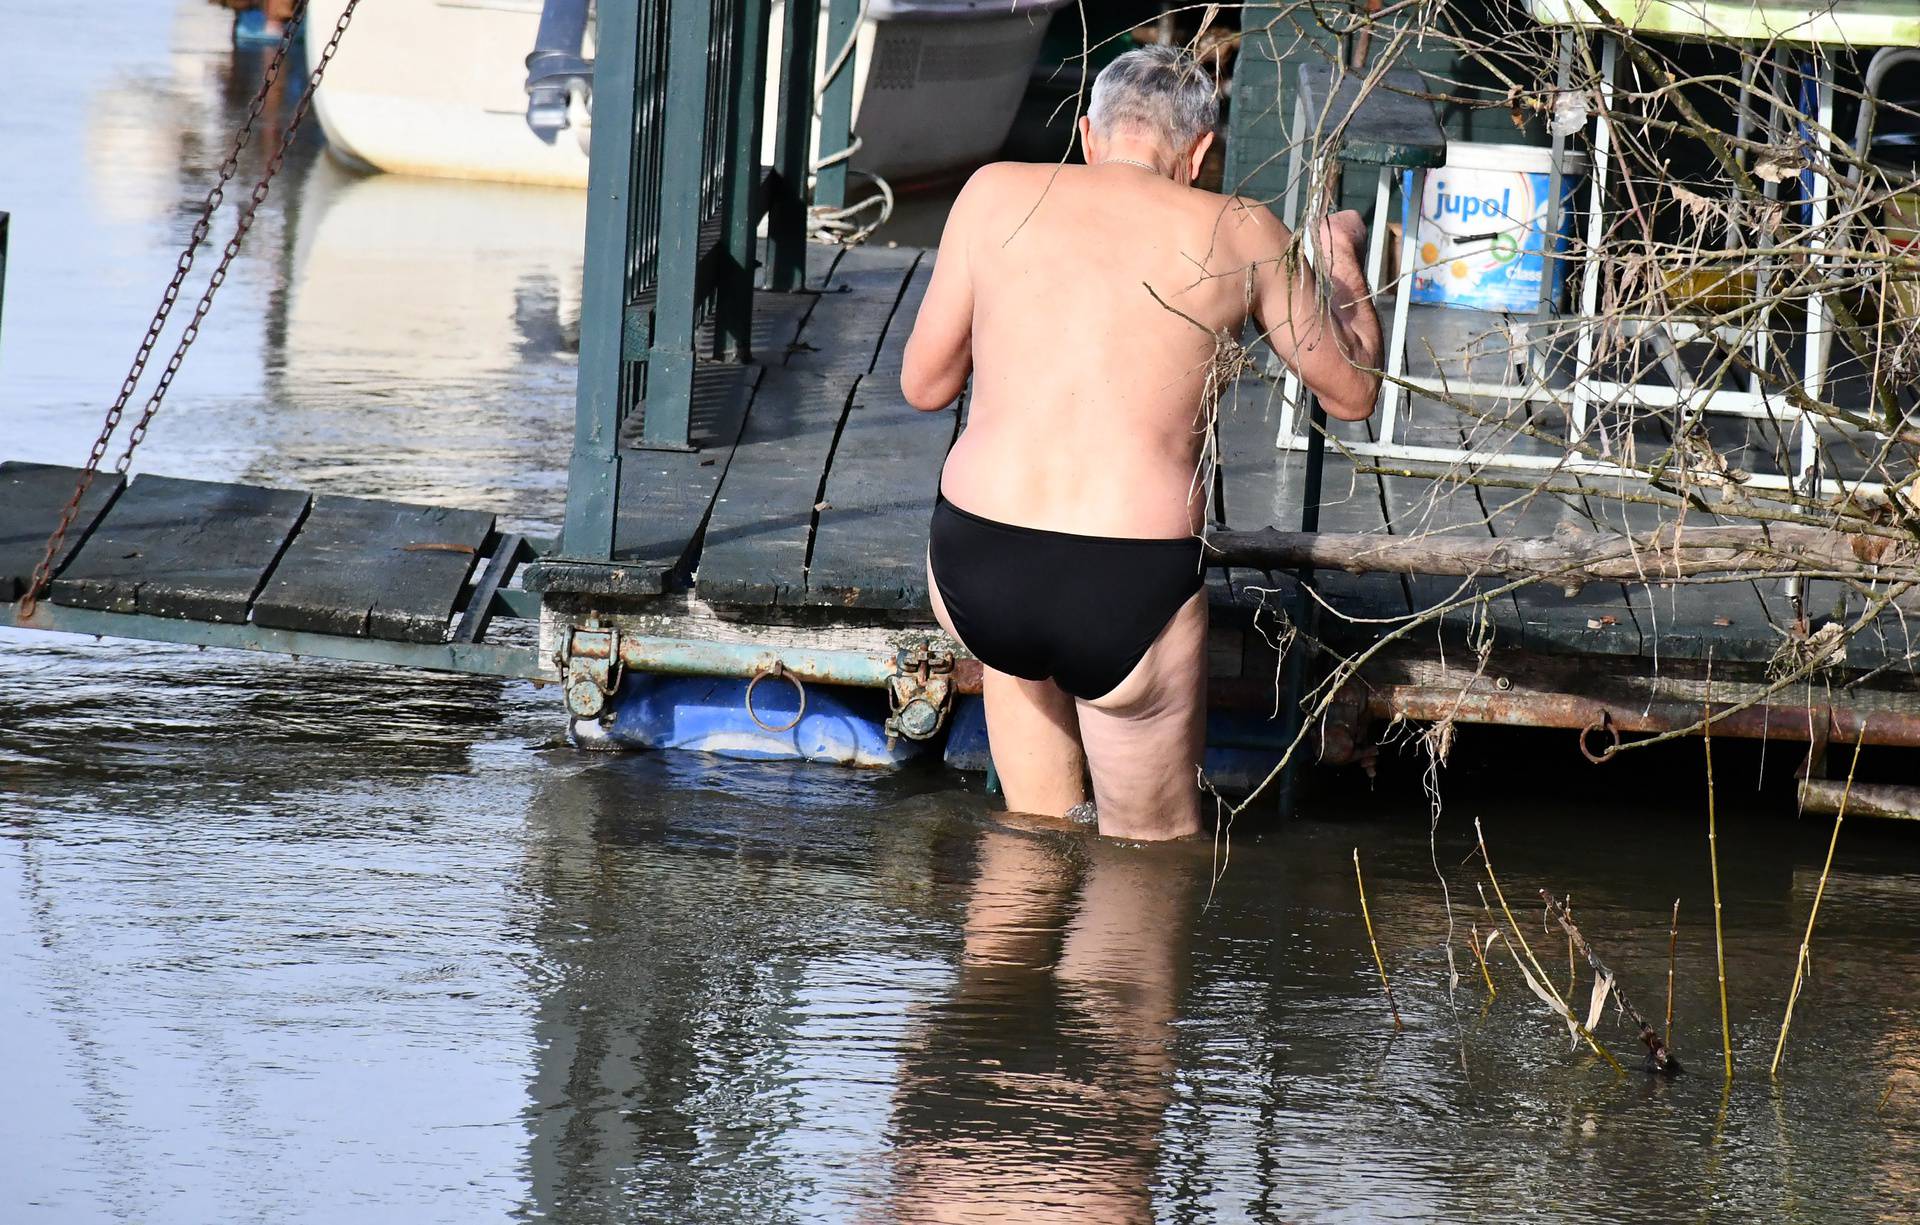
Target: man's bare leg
1035 737
1144 739
1032 732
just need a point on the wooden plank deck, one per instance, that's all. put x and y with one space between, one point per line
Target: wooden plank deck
373 569
32 498
197 550
825 498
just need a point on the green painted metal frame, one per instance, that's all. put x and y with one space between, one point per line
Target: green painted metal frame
670 354
793 139
482 658
593 476
675 195
836 104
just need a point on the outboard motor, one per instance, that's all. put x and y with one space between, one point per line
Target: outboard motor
555 69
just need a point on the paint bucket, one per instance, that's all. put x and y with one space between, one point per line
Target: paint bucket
1481 238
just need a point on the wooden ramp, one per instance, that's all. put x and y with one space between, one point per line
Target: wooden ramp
271 569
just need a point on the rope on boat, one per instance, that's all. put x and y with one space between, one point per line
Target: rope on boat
43 571
842 225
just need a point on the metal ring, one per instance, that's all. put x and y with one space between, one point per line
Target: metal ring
779 669
1602 724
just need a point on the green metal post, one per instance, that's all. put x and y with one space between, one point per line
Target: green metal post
593 478
670 358
734 335
787 210
836 104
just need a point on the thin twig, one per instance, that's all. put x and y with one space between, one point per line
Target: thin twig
1800 963
1481 957
1673 947
1374 944
1719 938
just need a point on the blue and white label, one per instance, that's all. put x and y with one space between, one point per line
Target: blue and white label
1480 240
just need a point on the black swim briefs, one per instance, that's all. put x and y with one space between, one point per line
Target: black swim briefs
1081 611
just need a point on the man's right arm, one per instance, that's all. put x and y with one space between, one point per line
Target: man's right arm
1321 324
939 354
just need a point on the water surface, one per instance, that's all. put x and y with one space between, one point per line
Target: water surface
312 942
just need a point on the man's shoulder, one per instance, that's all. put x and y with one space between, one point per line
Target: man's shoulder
997 176
1240 219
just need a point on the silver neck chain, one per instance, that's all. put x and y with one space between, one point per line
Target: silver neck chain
1127 161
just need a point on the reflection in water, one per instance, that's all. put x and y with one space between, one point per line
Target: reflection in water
1069 936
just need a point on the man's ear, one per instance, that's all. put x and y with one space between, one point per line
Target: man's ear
1086 139
1197 155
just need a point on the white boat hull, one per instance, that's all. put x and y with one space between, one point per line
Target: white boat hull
438 88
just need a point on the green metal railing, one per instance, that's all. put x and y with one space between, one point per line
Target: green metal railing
676 193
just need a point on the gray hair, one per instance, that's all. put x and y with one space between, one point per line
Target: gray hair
1161 89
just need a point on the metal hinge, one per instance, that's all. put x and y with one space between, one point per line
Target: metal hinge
592 665
920 692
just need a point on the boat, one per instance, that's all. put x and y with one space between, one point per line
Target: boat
440 87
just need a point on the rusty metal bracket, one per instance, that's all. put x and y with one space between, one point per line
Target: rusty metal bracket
920 692
592 666
1602 724
799 687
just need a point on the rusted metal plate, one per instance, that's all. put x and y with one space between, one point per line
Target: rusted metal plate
178 548
372 569
32 497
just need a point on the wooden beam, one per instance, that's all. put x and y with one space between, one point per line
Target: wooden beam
1573 557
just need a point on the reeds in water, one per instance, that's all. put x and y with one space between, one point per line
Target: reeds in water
1374 944
1719 939
1806 941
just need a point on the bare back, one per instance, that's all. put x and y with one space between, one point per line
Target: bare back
1085 411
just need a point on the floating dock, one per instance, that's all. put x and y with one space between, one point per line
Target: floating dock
743 563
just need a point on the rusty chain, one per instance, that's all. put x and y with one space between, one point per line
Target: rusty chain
216 195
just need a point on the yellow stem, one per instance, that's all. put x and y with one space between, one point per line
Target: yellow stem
1673 945
1719 941
1377 963
1806 941
1482 959
1500 896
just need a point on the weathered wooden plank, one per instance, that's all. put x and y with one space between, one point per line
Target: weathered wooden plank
870 548
755 550
849 323
1384 123
665 495
32 498
371 569
1263 485
1728 621
177 548
893 346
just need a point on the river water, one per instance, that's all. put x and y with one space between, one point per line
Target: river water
294 941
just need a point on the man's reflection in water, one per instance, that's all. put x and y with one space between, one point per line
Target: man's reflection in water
1035 1091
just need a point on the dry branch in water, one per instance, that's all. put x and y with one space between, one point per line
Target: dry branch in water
1659 1059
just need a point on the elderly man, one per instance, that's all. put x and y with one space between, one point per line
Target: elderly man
1065 551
